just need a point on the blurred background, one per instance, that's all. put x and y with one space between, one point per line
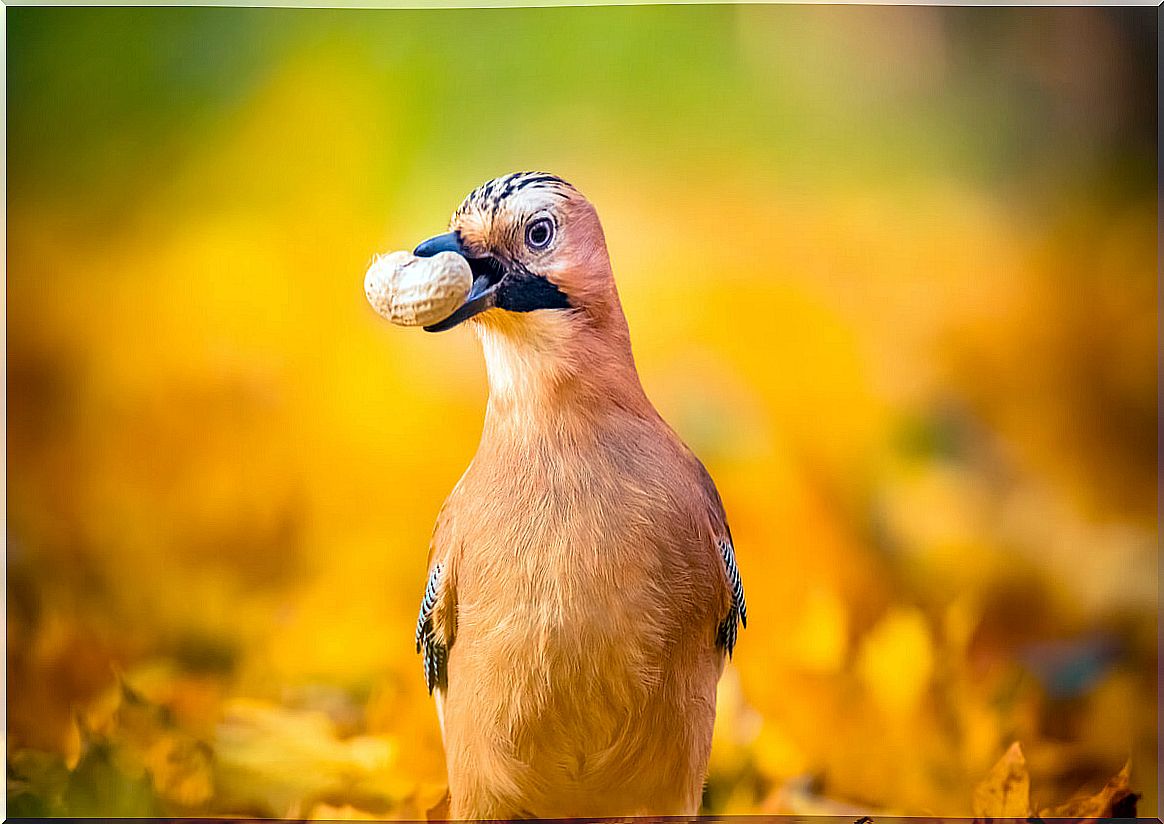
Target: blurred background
891 272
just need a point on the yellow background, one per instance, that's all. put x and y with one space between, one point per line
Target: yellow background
891 272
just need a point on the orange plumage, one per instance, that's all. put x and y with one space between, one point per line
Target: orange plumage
583 590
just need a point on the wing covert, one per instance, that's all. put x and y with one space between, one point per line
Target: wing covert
738 612
429 642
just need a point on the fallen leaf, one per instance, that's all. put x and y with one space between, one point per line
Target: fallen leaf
440 810
1006 792
1115 800
283 761
343 812
146 738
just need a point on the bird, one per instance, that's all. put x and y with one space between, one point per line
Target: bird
583 593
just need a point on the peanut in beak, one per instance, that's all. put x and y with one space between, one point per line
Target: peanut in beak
411 291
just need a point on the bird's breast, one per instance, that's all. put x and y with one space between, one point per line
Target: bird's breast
571 570
583 608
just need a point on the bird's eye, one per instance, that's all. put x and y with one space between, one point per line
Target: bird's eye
539 233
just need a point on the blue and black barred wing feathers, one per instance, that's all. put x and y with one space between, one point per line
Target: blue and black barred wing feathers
428 641
738 612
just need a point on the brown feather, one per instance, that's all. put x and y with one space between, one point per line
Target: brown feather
584 584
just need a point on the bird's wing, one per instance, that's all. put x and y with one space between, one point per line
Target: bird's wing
736 613
725 636
430 642
436 623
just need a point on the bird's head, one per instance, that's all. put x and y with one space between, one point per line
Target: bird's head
543 300
534 245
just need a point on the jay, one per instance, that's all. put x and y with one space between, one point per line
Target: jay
582 584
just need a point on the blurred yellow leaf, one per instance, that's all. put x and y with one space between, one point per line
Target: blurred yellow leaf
822 636
283 761
342 812
182 770
777 753
1006 792
146 739
896 660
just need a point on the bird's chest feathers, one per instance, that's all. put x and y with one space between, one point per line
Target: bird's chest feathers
558 572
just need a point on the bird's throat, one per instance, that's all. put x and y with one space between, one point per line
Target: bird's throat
547 367
528 359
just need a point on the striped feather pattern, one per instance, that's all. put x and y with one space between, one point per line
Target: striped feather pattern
436 655
738 614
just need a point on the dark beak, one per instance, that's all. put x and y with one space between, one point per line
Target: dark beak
487 273
450 242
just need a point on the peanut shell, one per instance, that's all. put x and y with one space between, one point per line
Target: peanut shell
412 291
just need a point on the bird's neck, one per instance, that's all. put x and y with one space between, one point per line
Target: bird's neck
555 370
